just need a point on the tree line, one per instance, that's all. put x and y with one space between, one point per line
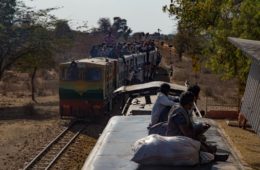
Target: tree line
30 39
203 28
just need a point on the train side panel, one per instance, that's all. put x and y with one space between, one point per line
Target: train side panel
88 90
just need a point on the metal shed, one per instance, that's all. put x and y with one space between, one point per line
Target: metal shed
251 104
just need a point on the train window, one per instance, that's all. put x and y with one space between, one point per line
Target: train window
93 74
71 73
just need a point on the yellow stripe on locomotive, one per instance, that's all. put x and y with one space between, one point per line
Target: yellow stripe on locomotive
86 86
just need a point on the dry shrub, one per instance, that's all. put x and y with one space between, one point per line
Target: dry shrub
180 75
50 75
44 92
205 71
20 95
1 86
4 89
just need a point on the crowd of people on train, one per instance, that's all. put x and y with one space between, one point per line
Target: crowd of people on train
117 50
173 116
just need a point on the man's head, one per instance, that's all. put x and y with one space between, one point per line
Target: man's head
187 99
195 89
165 88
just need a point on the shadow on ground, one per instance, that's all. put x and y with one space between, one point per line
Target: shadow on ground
30 112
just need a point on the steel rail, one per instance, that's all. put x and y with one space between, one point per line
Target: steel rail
63 149
39 155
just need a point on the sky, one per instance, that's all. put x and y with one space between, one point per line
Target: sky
141 15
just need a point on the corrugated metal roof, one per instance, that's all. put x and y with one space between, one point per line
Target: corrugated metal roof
250 47
250 106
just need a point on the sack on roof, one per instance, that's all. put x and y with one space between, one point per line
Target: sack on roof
165 150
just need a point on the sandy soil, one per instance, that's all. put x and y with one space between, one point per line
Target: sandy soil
20 139
246 142
26 128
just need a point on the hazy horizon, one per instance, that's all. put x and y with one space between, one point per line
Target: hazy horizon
145 16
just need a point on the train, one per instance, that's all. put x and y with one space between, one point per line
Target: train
86 86
114 148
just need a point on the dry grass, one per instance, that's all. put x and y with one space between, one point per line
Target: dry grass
247 142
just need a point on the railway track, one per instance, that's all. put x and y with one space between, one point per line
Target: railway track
46 158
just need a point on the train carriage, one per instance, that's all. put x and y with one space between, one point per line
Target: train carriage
86 87
113 149
120 73
152 57
140 59
129 61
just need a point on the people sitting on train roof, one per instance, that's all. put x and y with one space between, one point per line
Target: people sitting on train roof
130 77
195 89
116 50
73 71
180 124
162 105
179 121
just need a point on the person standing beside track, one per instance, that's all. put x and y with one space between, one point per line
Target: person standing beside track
162 105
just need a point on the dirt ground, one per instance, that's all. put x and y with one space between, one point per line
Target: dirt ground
246 143
26 127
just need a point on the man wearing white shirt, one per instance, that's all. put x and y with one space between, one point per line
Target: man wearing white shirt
162 105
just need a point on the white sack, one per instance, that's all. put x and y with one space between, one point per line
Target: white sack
166 150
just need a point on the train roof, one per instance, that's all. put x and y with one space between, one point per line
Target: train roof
250 47
135 54
149 88
139 106
96 60
113 149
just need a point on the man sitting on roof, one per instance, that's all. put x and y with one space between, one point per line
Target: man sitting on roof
180 124
162 105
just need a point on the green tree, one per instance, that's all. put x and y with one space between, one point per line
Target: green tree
211 22
104 25
39 58
62 29
120 28
63 38
17 25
